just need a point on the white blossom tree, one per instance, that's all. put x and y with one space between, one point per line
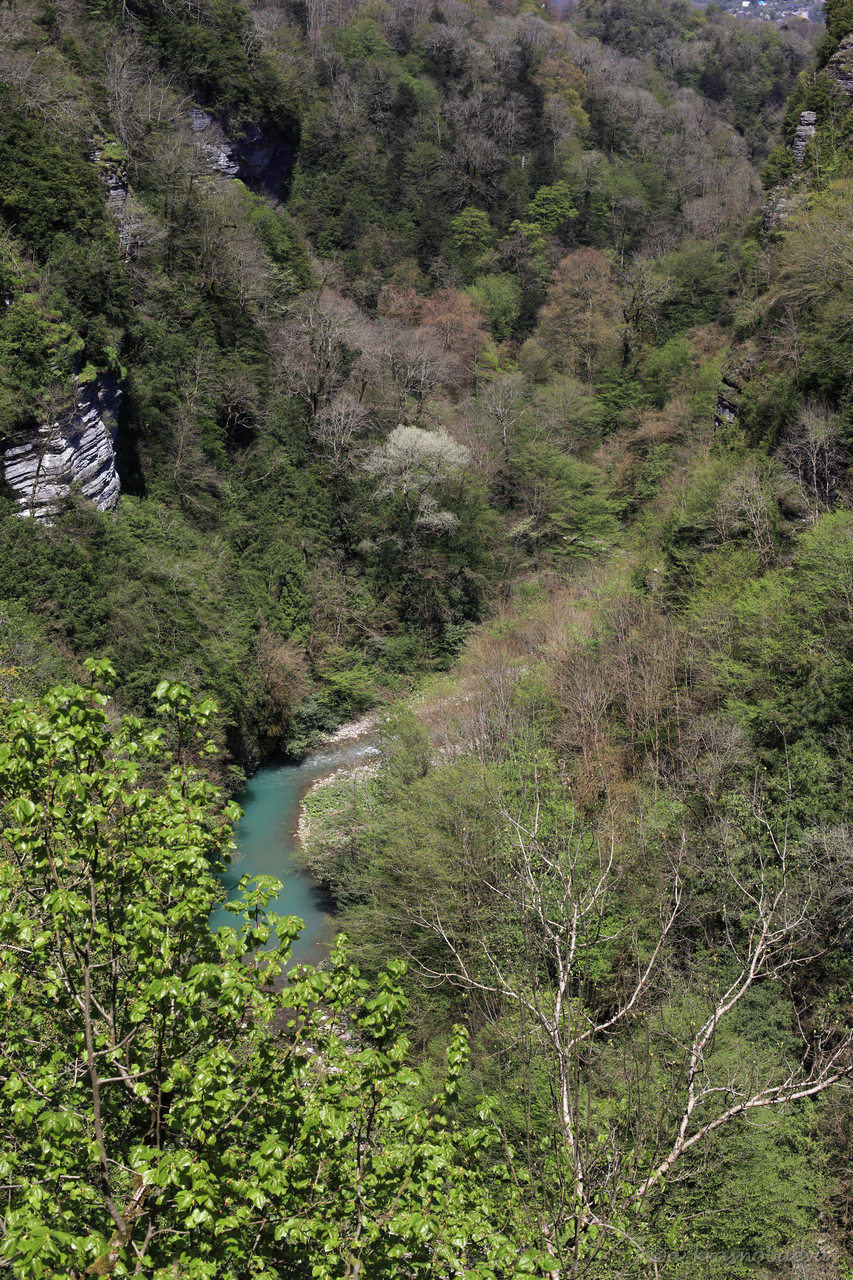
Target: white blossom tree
414 463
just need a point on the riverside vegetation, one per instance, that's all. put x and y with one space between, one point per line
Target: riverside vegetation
506 377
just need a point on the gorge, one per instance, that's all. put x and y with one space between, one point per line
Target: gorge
266 839
486 366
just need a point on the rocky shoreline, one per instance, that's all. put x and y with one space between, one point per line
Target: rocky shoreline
303 827
352 731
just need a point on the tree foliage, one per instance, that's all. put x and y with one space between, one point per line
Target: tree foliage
169 1103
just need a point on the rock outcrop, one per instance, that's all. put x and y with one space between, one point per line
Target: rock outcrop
805 134
75 453
265 159
114 177
219 153
840 66
781 204
261 157
728 398
115 181
738 371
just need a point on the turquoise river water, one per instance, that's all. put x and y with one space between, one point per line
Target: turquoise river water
266 841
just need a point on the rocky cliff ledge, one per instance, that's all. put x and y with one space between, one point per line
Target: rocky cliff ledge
806 132
840 66
74 453
262 157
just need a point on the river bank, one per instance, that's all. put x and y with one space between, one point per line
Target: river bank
352 731
352 776
267 836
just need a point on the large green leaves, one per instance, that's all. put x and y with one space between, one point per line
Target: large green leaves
170 1106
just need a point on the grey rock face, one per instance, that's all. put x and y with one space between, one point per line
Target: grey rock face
780 205
774 212
219 154
728 398
77 451
222 160
261 157
804 135
725 413
265 159
114 179
840 65
200 120
116 185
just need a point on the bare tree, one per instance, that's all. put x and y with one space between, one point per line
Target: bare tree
747 506
337 427
317 348
416 361
503 403
489 424
812 451
141 97
458 326
817 250
581 318
193 474
539 913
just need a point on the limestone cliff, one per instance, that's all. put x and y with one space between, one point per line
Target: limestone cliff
76 452
806 132
840 66
739 370
262 157
114 177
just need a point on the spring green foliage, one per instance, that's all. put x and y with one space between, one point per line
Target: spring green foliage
552 208
466 351
748 69
53 204
499 298
163 1106
211 49
838 16
471 236
488 825
50 189
451 843
261 550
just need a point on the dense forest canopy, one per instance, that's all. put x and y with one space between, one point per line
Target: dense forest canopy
466 182
496 356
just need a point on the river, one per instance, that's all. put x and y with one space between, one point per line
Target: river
266 842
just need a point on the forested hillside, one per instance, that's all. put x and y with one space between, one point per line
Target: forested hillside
491 366
272 238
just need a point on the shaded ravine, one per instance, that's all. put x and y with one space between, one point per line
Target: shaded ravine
266 841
